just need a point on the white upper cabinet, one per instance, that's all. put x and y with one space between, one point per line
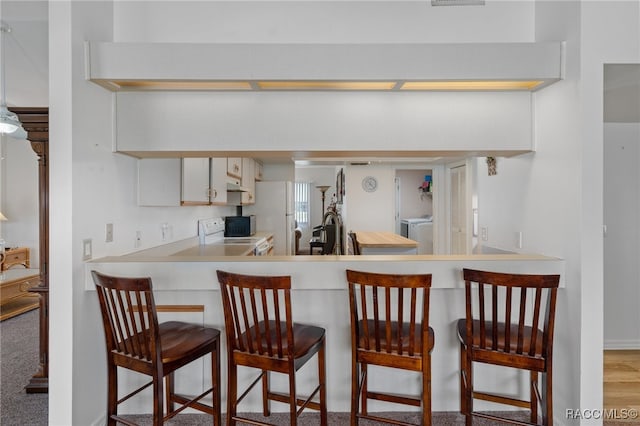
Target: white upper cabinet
259 170
195 181
234 167
249 181
182 182
218 192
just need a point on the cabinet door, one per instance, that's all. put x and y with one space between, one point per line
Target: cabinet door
248 181
234 167
218 181
258 170
159 181
195 181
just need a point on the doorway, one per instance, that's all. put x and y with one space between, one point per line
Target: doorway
621 199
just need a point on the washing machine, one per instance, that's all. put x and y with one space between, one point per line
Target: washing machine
419 229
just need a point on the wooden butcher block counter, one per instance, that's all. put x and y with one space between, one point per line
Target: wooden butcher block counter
371 242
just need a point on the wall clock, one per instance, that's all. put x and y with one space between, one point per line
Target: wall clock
369 184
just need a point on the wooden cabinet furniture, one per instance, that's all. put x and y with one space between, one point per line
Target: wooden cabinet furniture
35 122
15 297
15 258
385 243
182 182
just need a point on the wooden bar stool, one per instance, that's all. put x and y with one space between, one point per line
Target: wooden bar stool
261 334
137 342
389 328
504 313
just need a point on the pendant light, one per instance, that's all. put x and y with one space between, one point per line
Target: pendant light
9 121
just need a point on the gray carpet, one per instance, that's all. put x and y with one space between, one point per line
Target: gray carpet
19 361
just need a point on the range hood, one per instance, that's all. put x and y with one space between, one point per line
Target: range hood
234 187
400 67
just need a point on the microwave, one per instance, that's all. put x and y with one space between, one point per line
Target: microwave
239 226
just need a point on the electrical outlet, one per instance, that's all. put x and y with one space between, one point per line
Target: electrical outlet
484 233
165 231
109 233
86 249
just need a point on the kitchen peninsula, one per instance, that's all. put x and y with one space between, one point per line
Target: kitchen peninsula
320 297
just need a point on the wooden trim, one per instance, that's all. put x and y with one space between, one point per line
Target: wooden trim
174 308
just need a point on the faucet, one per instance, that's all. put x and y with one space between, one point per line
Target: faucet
338 222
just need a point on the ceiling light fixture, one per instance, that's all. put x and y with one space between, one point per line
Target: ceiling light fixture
9 121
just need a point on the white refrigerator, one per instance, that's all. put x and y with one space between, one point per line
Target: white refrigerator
274 210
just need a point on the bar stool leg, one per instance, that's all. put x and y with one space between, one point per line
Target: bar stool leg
293 407
215 383
355 394
232 386
426 390
322 378
533 397
363 391
266 402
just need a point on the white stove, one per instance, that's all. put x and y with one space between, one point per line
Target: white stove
211 231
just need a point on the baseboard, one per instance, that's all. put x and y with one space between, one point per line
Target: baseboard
101 421
621 344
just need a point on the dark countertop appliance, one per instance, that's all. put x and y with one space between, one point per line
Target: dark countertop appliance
239 226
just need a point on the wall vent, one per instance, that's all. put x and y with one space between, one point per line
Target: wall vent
457 2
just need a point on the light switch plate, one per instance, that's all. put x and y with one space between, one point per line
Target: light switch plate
86 249
109 233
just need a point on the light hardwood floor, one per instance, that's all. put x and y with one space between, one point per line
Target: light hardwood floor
622 381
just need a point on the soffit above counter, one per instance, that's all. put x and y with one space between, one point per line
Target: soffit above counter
120 66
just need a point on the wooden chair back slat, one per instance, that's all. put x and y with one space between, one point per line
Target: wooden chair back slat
521 320
507 318
258 314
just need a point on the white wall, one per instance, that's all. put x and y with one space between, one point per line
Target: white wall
321 21
412 203
19 201
369 211
610 34
91 186
622 241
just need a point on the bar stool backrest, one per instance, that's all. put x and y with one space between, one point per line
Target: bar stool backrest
258 314
510 314
129 318
379 302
